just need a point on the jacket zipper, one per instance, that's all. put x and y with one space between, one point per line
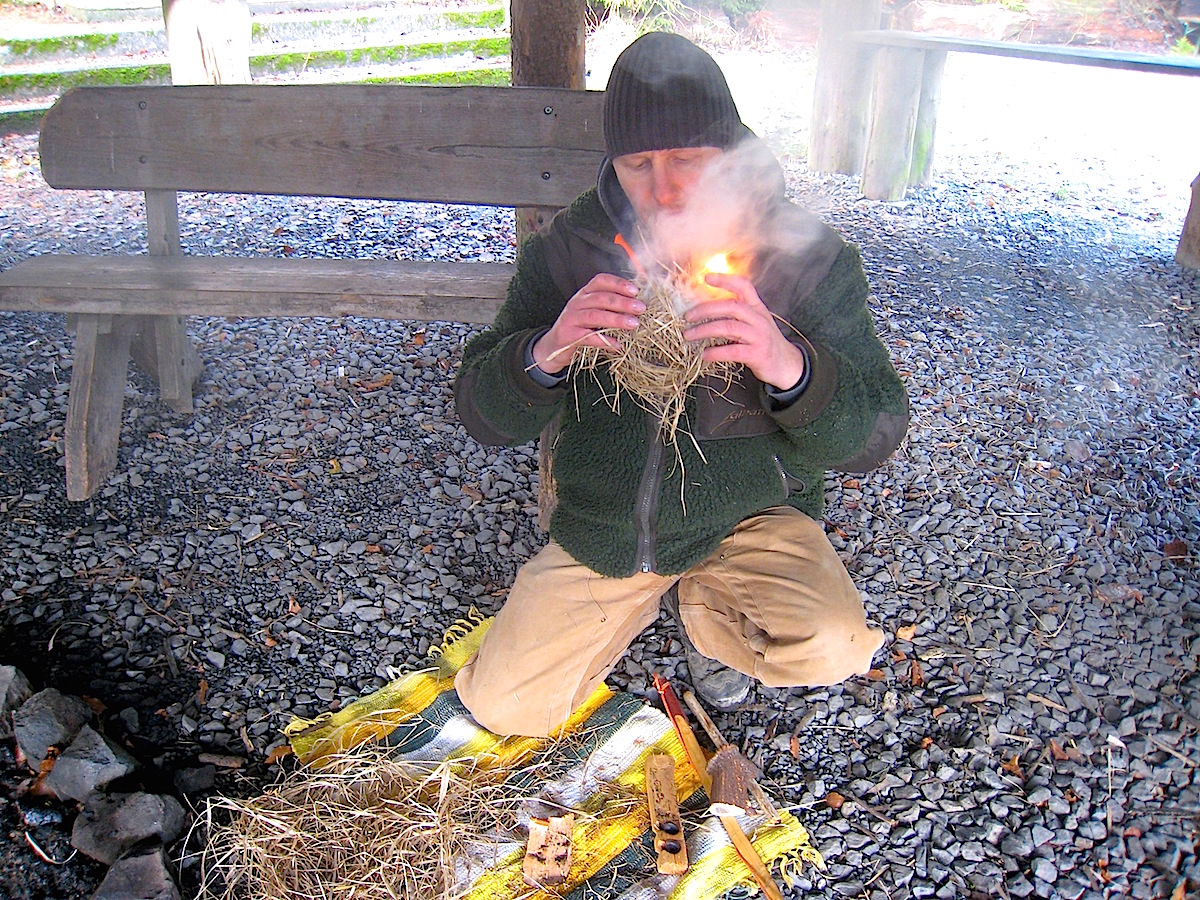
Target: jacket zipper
646 510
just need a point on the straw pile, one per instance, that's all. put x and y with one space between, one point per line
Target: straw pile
362 826
654 363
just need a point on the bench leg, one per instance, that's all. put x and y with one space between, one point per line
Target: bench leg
163 351
98 377
927 110
1188 251
898 72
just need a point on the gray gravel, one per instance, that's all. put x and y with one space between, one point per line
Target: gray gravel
1031 728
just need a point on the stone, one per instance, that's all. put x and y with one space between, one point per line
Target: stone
110 824
48 719
195 779
87 765
14 690
144 874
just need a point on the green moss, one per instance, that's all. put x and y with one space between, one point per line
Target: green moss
78 43
297 62
21 122
487 18
60 81
484 77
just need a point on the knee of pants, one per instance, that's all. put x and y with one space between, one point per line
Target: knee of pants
829 656
503 713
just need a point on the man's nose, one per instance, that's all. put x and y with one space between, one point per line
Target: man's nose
664 187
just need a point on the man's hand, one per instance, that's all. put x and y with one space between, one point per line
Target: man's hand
749 331
605 302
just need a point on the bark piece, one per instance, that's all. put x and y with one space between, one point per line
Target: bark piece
731 776
548 853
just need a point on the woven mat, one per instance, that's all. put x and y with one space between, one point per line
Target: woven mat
420 718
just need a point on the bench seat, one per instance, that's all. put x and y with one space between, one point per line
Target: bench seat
269 287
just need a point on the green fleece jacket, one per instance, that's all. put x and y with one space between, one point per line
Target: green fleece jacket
625 501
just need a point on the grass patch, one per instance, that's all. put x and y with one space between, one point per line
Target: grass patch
487 18
475 77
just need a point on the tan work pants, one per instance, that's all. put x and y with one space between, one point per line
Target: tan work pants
773 601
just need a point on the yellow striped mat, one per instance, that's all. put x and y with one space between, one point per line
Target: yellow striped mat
418 716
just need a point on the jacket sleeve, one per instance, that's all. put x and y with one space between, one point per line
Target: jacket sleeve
497 400
854 412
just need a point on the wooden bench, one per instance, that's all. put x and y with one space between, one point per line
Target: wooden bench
531 148
907 86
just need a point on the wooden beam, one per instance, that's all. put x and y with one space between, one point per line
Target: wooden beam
484 145
265 286
1188 251
842 94
1079 56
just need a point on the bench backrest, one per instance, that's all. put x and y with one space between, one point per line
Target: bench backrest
479 145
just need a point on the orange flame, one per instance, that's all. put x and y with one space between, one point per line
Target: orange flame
718 264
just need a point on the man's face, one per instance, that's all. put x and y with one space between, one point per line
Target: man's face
659 183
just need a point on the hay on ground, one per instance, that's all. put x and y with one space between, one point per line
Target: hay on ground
362 826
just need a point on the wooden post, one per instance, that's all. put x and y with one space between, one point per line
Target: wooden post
547 51
161 348
548 42
842 94
893 122
208 41
927 109
1188 251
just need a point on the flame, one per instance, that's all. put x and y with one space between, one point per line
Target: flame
719 264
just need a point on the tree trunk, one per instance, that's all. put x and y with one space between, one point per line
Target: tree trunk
547 51
1188 251
208 41
548 43
842 95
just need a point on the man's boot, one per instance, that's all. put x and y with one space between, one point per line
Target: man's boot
716 684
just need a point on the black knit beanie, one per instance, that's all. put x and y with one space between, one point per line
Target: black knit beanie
666 92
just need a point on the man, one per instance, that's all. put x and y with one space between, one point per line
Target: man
731 536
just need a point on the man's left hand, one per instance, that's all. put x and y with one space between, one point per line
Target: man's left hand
748 332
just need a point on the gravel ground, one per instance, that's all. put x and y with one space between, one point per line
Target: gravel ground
1031 727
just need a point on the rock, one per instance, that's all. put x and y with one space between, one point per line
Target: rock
14 690
110 824
195 779
87 765
144 874
48 719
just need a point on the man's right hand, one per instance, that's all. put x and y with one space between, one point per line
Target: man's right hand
606 302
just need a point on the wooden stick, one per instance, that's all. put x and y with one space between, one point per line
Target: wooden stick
750 857
665 820
765 804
